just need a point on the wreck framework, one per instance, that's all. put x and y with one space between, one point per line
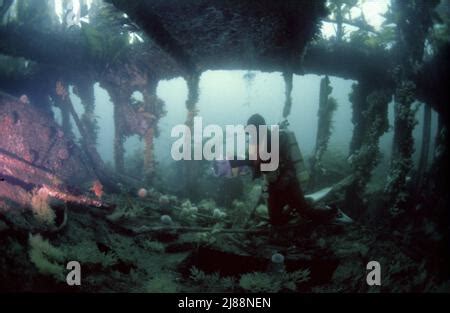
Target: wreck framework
186 39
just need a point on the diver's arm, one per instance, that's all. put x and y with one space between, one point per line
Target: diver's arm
233 167
240 163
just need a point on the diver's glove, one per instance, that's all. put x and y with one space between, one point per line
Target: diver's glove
283 124
222 168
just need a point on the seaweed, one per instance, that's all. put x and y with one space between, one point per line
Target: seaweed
273 282
47 258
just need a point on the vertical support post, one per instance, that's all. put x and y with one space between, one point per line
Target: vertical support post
153 110
191 167
403 147
119 140
85 90
62 94
119 98
425 148
327 106
366 156
358 99
288 83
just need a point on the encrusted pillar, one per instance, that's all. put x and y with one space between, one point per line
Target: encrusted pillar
403 147
288 83
191 167
152 110
119 140
119 98
358 98
85 90
414 20
192 99
366 155
62 96
62 93
425 148
327 106
148 154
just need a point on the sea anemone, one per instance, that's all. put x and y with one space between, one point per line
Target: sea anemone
277 258
164 200
142 193
217 213
24 99
166 220
41 207
277 262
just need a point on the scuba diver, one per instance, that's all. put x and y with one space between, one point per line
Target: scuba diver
283 185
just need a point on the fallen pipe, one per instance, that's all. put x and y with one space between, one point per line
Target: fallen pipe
108 180
70 198
150 229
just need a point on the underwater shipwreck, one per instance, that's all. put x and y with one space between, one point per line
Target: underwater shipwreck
136 224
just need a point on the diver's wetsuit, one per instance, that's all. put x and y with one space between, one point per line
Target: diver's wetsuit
282 185
284 188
